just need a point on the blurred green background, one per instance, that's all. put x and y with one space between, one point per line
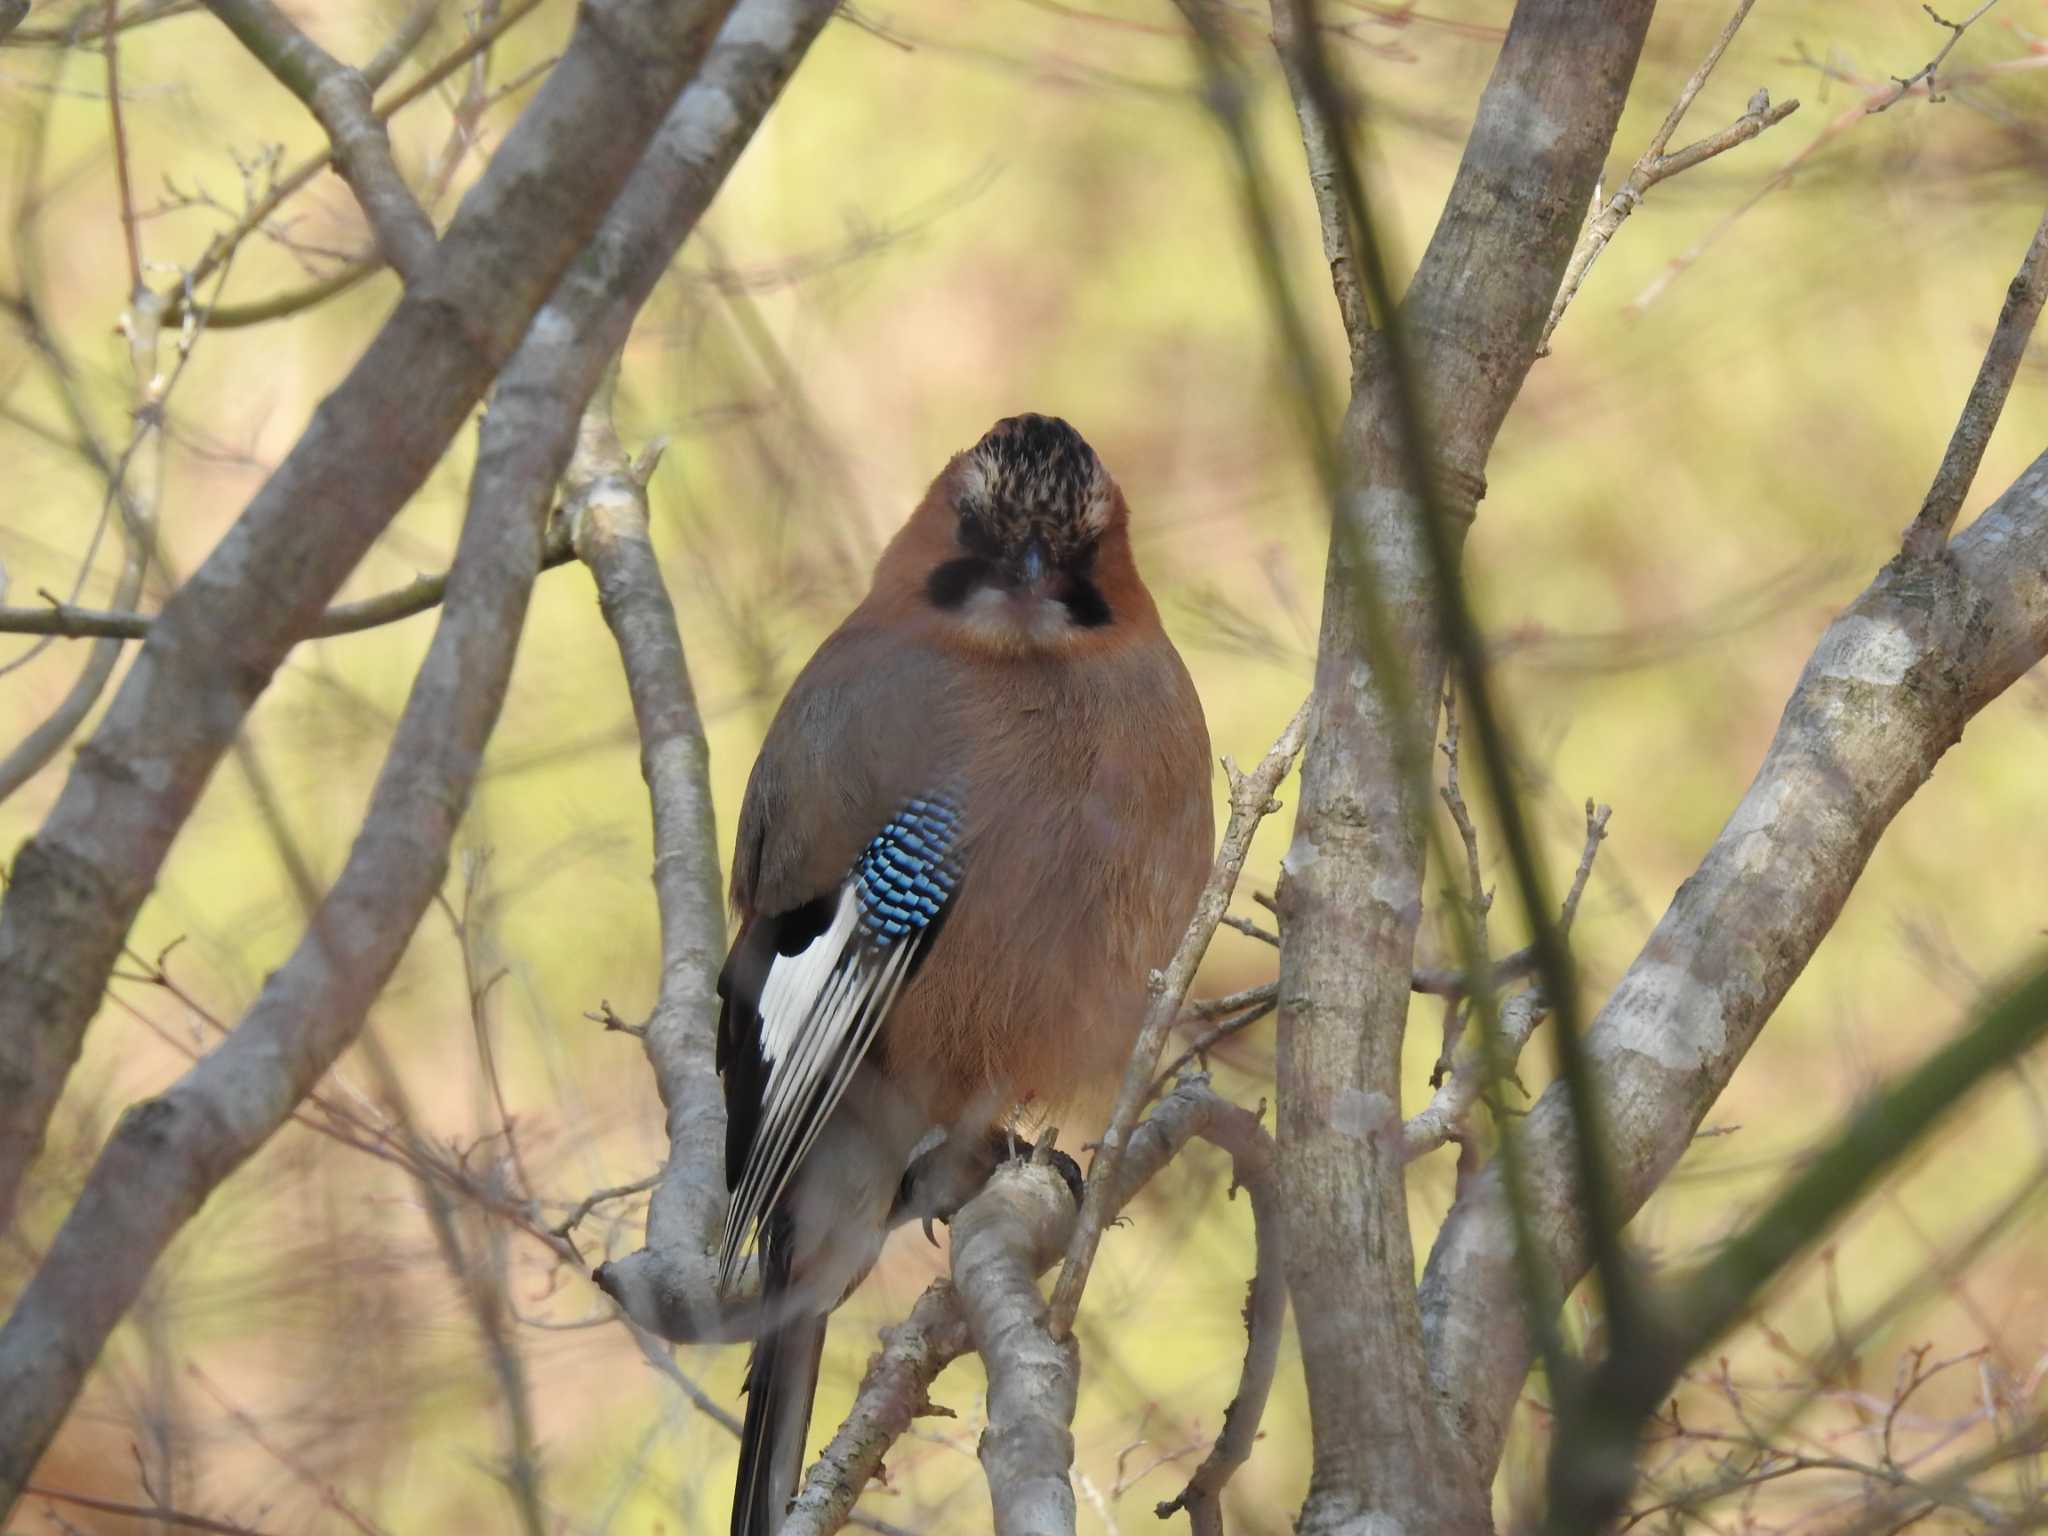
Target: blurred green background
959 212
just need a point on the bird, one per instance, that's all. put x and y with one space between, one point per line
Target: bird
979 819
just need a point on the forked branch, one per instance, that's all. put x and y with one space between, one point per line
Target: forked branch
1927 535
1655 165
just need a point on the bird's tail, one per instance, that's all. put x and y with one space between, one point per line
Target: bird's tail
782 1377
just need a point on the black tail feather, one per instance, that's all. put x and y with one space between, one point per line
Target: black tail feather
782 1378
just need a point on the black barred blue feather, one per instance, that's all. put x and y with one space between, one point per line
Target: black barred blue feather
805 1000
906 874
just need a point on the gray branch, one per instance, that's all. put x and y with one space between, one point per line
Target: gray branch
1386 1451
1927 534
69 622
670 1286
1254 1168
1002 1238
77 884
1654 165
1251 802
1886 692
169 1153
340 98
897 1387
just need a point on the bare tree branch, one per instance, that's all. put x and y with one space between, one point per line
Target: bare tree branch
340 98
223 246
1461 1074
154 1512
168 1154
1454 359
28 756
1887 691
1904 84
1254 1169
77 884
1002 1238
1654 165
91 25
670 1285
1251 801
1318 133
895 1392
417 596
1927 535
896 1389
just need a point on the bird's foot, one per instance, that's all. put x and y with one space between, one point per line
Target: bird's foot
943 1178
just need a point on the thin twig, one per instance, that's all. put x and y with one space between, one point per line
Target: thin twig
1254 1161
1927 535
417 596
1655 165
152 1511
300 175
89 26
110 44
339 97
1251 801
1903 85
1250 929
1318 133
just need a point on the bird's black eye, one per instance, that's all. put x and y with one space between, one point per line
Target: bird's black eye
949 585
1086 605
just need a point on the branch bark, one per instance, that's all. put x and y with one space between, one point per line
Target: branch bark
169 1153
1002 1238
1254 1168
339 97
1927 535
1654 165
1351 887
1887 691
415 597
896 1389
77 885
1325 178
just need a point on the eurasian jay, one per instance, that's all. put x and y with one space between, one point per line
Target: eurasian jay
979 819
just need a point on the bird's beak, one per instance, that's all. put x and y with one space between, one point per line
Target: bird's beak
1031 566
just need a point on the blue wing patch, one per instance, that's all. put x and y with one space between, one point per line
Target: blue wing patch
906 874
816 1011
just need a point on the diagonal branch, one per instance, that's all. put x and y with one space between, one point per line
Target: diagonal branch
1887 691
222 247
340 98
1654 165
1927 535
77 885
1319 133
168 1154
896 1389
1903 84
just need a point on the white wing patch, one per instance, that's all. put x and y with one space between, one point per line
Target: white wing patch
822 1007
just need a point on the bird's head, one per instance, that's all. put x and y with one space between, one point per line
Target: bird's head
1030 528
